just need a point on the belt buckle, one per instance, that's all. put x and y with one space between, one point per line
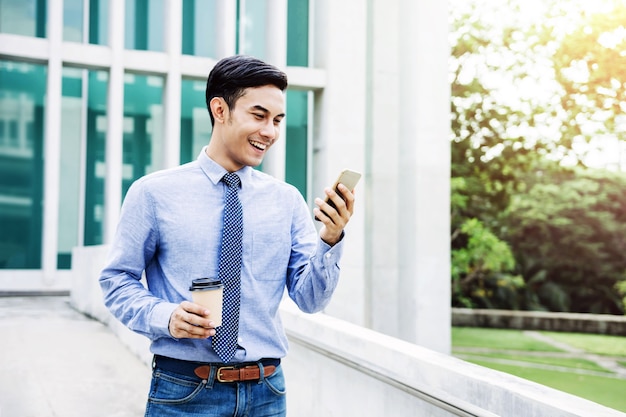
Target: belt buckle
219 373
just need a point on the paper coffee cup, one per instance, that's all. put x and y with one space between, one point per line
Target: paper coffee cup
208 292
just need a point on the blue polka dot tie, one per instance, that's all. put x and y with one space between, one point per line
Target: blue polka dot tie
225 339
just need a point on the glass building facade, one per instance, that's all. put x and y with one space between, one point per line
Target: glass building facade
95 93
58 125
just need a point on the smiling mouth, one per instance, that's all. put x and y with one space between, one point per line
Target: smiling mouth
260 146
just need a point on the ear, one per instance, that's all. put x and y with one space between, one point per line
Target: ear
219 109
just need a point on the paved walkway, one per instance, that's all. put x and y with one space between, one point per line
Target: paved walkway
54 361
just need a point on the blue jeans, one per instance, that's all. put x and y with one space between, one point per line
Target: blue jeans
177 395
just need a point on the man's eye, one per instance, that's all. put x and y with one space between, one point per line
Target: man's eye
259 116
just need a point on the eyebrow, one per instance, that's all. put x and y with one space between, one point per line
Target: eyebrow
266 111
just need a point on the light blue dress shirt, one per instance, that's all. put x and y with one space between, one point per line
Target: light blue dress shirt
171 226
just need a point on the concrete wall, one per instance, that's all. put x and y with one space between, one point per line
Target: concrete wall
539 320
86 296
335 368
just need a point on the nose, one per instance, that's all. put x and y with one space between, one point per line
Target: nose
269 130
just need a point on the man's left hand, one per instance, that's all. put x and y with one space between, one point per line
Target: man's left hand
334 220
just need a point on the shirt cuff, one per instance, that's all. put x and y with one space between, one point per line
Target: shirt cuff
331 254
160 319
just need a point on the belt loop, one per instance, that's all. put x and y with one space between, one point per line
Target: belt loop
261 372
154 362
212 377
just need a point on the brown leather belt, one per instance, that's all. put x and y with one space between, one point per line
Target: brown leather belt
248 371
235 374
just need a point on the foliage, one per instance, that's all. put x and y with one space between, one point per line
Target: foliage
591 68
519 102
569 237
488 152
480 269
490 131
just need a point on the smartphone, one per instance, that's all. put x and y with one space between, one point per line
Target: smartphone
348 178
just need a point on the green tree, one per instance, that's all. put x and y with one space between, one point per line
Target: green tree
569 237
517 101
481 270
590 66
490 147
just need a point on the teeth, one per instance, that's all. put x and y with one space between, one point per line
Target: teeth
258 145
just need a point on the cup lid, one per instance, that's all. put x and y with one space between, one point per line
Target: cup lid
205 284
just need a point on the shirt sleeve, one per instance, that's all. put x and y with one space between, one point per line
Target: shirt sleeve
133 247
313 271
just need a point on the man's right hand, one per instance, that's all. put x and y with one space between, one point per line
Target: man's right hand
191 321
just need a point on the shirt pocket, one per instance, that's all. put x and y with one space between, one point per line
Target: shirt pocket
270 255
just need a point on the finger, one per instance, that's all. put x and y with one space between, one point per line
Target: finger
325 212
184 324
348 197
341 213
182 329
198 315
194 308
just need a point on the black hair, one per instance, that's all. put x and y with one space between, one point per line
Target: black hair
231 76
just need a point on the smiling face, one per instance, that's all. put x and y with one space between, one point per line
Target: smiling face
244 133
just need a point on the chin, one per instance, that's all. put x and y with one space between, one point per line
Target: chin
255 162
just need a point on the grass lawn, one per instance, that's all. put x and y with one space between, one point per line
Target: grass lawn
510 344
592 343
497 339
606 391
573 363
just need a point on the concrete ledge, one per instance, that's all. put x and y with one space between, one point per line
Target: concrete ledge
86 297
337 368
540 320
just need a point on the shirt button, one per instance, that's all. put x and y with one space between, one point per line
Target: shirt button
327 256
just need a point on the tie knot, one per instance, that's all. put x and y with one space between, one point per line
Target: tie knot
231 179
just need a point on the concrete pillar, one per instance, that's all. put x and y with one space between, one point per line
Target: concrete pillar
276 54
52 142
172 93
382 224
226 30
407 164
115 119
424 174
339 131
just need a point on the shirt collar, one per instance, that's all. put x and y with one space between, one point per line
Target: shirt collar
215 171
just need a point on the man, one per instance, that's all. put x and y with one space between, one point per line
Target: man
171 228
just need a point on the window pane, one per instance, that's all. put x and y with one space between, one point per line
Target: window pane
297 142
144 25
23 17
199 37
143 127
298 33
195 123
70 173
252 22
73 20
99 22
95 168
22 91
